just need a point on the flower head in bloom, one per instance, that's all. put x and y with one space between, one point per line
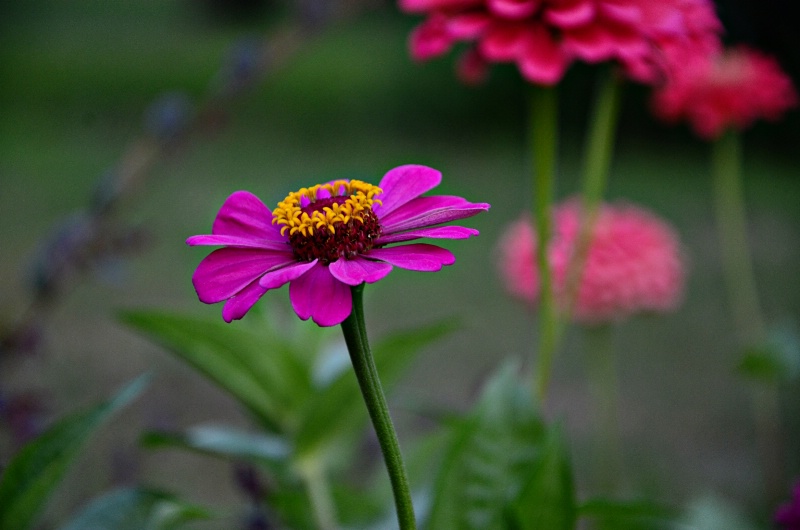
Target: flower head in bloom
323 239
787 517
633 264
725 90
544 36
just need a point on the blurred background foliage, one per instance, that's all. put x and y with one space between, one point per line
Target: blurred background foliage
78 82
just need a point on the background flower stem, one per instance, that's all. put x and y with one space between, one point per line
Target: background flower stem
597 164
543 122
319 495
601 364
732 228
355 335
737 265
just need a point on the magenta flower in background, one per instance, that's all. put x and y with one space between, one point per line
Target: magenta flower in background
633 265
726 90
787 517
323 239
544 36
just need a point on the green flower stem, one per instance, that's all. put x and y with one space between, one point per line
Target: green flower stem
737 266
543 119
597 160
355 335
603 387
732 227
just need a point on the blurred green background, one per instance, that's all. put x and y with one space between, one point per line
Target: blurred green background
76 80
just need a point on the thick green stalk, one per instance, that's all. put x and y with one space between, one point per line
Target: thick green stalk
355 335
543 120
597 160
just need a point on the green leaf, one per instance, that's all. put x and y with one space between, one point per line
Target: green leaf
224 442
548 498
35 472
777 359
263 372
136 509
484 467
338 410
627 515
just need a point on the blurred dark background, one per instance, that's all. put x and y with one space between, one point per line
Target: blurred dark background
82 80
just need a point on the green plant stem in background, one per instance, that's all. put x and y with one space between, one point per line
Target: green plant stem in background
597 165
543 120
732 227
601 364
737 266
355 335
319 494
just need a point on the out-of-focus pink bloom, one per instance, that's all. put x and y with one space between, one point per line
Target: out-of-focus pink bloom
788 515
728 90
544 36
633 265
323 239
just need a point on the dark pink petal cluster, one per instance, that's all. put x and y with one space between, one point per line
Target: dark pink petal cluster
728 90
633 265
542 37
257 256
787 517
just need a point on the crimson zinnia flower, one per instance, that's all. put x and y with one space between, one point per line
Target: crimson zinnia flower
324 239
633 265
544 36
725 90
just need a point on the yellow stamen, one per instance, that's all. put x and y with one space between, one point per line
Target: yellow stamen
358 196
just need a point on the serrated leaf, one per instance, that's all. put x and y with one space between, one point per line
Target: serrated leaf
338 409
484 466
547 500
34 473
224 442
261 371
136 509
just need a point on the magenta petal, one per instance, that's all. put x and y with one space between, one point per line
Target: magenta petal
402 184
240 303
278 277
570 14
502 42
244 215
358 270
239 242
430 39
543 61
467 26
415 257
429 211
513 9
438 232
226 271
320 296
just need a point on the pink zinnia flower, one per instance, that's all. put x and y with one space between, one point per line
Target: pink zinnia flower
544 36
323 239
633 264
724 91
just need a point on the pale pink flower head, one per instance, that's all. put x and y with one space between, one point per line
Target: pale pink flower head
729 90
634 263
542 37
323 239
787 517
